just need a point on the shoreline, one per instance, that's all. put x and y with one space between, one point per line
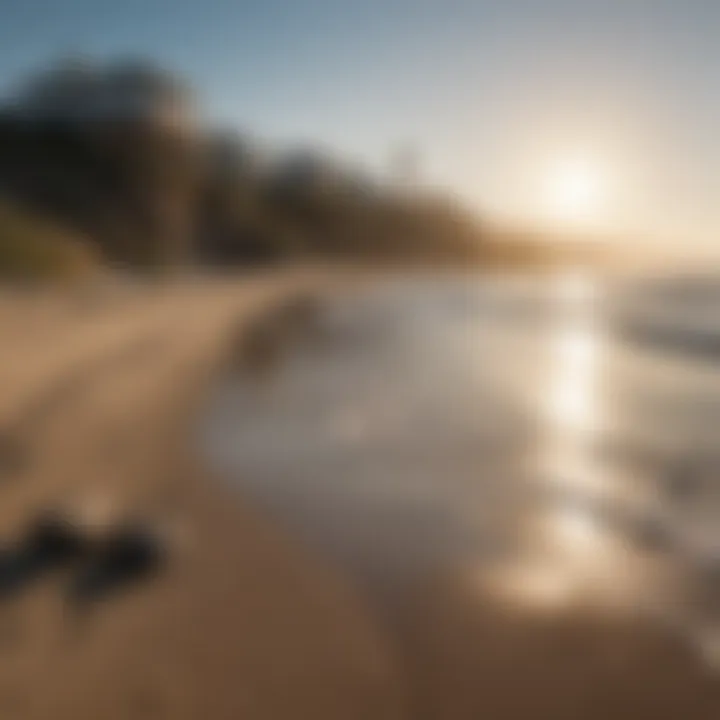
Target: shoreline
243 623
250 620
467 649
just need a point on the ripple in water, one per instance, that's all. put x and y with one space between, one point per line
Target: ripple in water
505 433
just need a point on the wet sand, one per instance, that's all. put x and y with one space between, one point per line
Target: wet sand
243 622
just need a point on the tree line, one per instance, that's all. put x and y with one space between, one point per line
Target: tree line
96 151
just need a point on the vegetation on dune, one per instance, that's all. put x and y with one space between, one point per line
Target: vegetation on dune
36 249
115 152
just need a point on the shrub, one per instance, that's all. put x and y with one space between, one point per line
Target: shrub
33 248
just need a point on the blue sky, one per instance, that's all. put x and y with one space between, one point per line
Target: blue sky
490 93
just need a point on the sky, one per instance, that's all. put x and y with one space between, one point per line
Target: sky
603 113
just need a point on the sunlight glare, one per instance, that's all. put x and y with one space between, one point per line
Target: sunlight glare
572 399
573 191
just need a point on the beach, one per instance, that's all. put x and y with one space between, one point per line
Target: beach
335 559
241 622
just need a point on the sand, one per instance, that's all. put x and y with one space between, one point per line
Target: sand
100 392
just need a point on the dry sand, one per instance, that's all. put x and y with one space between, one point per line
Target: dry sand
242 624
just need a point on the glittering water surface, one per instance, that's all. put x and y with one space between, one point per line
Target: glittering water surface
553 442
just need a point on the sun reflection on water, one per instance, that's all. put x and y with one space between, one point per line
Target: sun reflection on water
569 550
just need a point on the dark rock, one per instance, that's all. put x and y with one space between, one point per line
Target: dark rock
131 554
51 542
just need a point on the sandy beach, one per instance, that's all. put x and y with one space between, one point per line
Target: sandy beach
101 393
241 623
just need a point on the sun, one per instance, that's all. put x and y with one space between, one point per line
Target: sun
573 191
